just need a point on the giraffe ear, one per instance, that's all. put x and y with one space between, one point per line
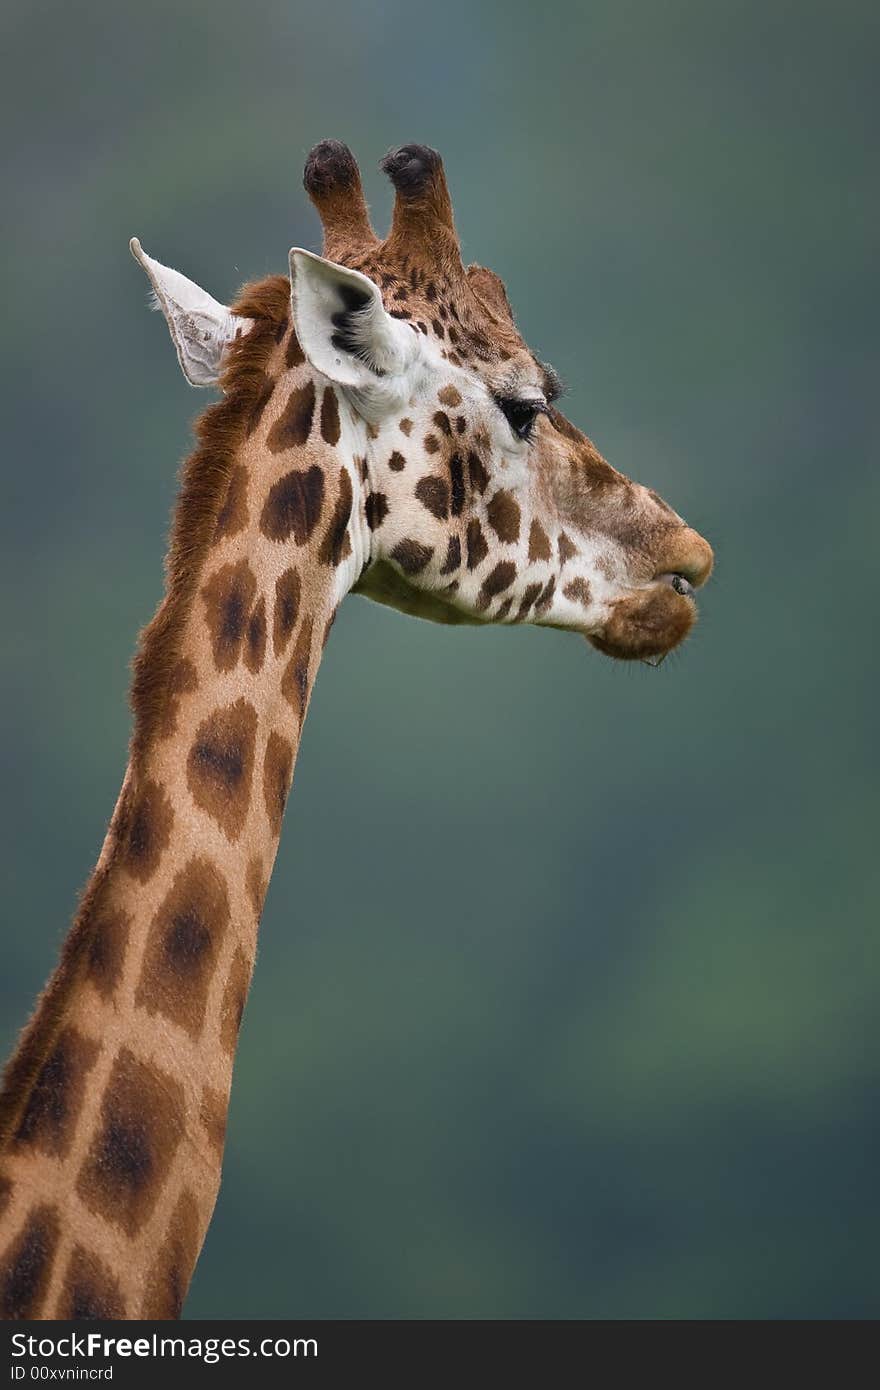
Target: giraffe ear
200 327
343 327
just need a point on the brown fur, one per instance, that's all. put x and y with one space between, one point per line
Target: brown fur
205 480
204 484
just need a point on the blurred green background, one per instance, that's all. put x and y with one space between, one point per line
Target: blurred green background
566 1003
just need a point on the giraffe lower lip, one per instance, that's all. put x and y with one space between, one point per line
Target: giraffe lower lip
647 623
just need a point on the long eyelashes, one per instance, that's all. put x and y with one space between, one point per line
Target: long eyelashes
554 386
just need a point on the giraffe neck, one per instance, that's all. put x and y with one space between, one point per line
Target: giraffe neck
113 1113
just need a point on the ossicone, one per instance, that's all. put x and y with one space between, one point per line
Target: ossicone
422 206
333 182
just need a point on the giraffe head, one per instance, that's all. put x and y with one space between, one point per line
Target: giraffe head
482 502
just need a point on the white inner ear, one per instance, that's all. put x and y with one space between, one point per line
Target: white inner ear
342 325
200 326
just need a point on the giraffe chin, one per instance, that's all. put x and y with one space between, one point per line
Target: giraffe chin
646 626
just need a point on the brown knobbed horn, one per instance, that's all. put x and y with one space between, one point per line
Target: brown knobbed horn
422 206
333 182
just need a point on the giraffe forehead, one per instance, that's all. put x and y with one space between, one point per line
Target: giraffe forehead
472 330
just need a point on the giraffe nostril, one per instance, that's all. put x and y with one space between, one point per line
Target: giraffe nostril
684 555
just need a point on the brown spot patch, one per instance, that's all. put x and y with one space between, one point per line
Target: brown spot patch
169 1278
528 598
255 638
183 946
147 830
293 507
255 414
578 590
376 509
295 681
406 426
287 596
294 356
449 396
411 555
234 999
336 545
142 1123
503 513
182 681
567 548
477 473
27 1267
432 444
55 1100
212 1114
453 556
545 598
233 515
294 424
228 596
477 549
220 765
433 493
108 940
397 462
330 416
503 610
90 1289
496 581
441 420
277 771
539 543
256 884
456 484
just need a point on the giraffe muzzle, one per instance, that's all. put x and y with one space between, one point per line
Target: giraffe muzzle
684 561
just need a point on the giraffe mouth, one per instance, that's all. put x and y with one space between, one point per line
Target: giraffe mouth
647 625
681 585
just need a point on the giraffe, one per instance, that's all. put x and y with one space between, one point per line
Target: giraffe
382 430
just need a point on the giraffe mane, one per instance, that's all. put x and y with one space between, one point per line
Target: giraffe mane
204 482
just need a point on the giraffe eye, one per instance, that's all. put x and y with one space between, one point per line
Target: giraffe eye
521 415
